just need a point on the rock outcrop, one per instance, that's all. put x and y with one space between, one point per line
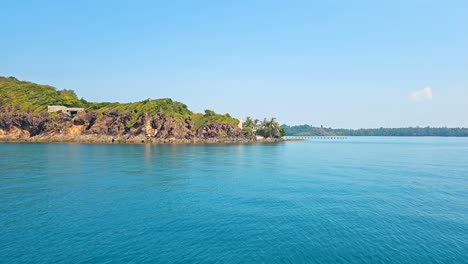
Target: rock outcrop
35 112
112 126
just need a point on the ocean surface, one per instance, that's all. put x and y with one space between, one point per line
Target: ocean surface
354 200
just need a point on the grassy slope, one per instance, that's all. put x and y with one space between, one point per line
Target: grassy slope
26 96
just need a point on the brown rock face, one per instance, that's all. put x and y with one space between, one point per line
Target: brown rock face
85 119
216 130
169 127
33 123
110 124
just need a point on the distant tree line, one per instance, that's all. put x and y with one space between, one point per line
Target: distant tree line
268 128
307 130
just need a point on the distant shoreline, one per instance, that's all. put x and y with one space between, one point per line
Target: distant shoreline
405 136
308 130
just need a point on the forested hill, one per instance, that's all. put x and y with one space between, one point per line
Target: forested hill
24 116
307 130
23 96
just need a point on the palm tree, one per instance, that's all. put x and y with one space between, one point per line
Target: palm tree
263 129
256 124
249 123
248 126
273 128
267 128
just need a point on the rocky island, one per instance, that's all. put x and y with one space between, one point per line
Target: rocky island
41 113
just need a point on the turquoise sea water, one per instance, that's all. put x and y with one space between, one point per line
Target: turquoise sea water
359 200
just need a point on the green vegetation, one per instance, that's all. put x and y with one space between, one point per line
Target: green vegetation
212 117
268 128
307 130
24 96
164 106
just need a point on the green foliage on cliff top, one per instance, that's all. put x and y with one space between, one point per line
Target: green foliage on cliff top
211 117
26 96
165 106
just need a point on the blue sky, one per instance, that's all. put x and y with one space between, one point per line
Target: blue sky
333 63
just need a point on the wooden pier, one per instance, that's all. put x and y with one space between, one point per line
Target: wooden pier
318 137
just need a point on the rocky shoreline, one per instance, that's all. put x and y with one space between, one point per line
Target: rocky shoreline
113 127
32 112
135 140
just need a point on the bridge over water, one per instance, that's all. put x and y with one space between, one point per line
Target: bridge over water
317 137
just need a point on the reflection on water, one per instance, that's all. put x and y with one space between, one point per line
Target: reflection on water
384 200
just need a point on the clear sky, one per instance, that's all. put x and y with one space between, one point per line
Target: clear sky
333 63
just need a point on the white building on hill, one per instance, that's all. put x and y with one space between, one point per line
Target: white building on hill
64 109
